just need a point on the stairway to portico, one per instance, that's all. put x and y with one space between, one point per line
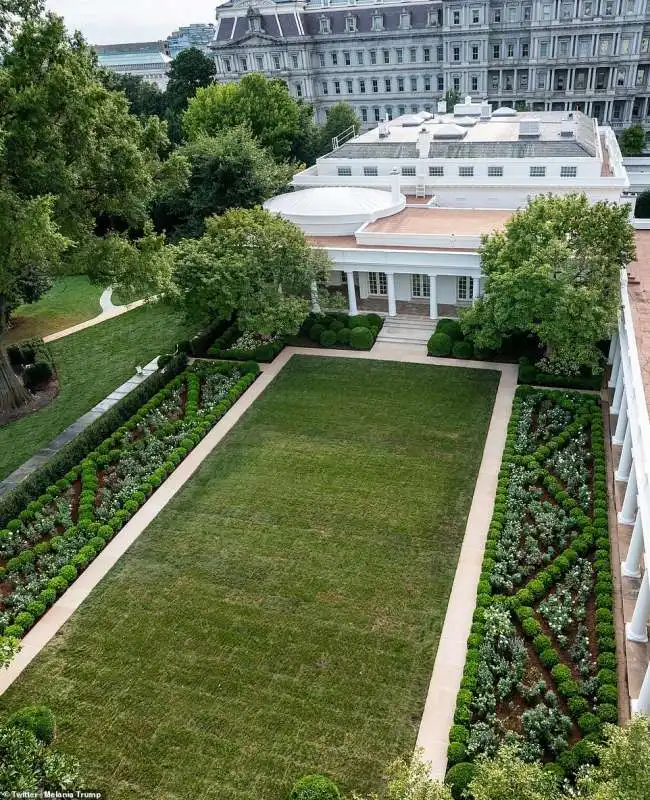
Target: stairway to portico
406 330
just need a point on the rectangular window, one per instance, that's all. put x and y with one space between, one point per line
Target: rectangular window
389 112
373 56
547 11
337 87
415 109
464 287
346 58
260 63
568 172
420 286
525 49
401 110
335 59
408 172
440 53
325 89
413 55
495 81
474 52
427 83
414 84
400 55
512 14
527 13
587 8
495 172
387 84
455 54
377 283
426 54
620 77
496 51
227 65
345 172
294 61
496 15
386 56
375 112
370 172
350 24
563 48
476 16
364 115
456 18
474 83
243 63
511 50
298 90
436 172
359 56
625 46
348 85
465 172
609 8
441 83
543 49
362 86
321 58
375 85
456 83
400 84
537 172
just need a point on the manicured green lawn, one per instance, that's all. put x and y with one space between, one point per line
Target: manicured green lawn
282 614
90 365
70 301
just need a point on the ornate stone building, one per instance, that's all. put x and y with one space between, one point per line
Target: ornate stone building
389 58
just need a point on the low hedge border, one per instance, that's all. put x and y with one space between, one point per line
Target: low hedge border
222 348
92 536
342 331
529 374
593 533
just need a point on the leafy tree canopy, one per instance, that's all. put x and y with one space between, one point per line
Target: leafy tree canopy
554 271
632 141
189 71
340 117
275 119
451 97
229 170
252 263
145 98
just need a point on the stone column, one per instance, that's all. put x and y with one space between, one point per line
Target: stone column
630 567
618 392
392 305
637 629
621 422
315 305
352 295
642 704
625 461
433 299
627 515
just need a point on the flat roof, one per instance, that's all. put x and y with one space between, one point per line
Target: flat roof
442 221
639 294
349 242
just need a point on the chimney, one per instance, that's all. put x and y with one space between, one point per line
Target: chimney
394 186
423 144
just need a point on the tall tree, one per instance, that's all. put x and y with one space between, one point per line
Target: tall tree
145 98
451 97
189 71
229 170
554 271
341 117
253 263
632 141
276 120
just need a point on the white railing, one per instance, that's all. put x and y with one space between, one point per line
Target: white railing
343 137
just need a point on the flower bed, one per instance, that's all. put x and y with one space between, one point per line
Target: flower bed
246 346
541 657
340 330
55 537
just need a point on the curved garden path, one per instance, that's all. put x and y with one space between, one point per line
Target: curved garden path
109 310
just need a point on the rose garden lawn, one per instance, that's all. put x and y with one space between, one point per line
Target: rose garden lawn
282 614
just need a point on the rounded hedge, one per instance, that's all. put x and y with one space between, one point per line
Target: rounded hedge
314 787
589 723
608 712
337 325
315 332
439 345
451 328
459 777
343 336
462 349
456 753
328 338
37 719
361 338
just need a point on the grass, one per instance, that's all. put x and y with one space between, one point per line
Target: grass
90 365
282 613
70 301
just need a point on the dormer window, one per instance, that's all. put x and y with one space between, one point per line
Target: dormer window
405 19
254 20
350 23
432 18
377 22
325 25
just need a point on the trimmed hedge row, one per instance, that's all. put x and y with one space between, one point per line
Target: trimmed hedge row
357 332
528 373
222 348
93 536
591 536
70 455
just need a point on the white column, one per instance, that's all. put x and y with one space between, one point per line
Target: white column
627 515
475 289
630 567
618 393
637 629
392 305
315 305
433 299
352 295
616 366
625 461
613 346
642 704
621 422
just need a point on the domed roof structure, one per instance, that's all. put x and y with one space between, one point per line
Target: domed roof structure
504 111
334 210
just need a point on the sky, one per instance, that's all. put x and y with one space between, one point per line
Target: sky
131 20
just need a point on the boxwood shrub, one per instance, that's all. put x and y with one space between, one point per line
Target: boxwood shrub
439 344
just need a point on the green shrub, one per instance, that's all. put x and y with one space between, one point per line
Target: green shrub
68 573
361 339
462 349
561 673
314 787
375 321
439 345
549 658
37 719
37 374
459 777
589 723
531 627
608 712
459 733
343 336
456 753
450 328
607 661
577 706
316 331
336 325
541 643
328 338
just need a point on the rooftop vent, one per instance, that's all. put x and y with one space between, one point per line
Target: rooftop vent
465 122
410 121
450 131
486 110
530 129
442 107
504 111
384 130
567 130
